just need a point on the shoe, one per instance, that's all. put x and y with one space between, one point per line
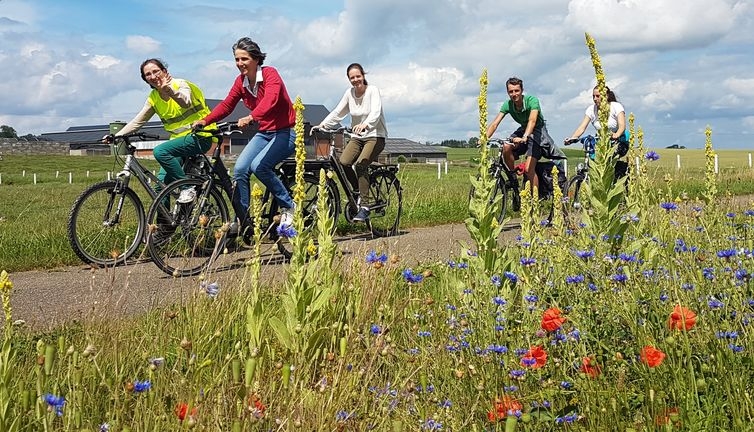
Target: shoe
187 195
233 229
362 215
286 217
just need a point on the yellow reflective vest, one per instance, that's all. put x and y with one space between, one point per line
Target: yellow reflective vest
176 119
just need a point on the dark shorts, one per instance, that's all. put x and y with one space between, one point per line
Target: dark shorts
539 144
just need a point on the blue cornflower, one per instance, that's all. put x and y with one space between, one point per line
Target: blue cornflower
424 333
413 351
104 427
736 348
472 253
499 301
727 334
668 206
343 415
286 231
496 280
211 289
574 279
498 349
730 215
511 276
528 361
373 257
410 277
570 418
527 261
651 155
431 424
629 258
592 287
375 329
726 253
531 298
451 264
708 273
687 286
510 389
585 254
463 265
619 277
445 403
741 274
714 303
663 297
575 334
518 373
55 403
566 385
142 386
749 212
450 307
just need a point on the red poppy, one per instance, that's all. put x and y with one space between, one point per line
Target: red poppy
551 319
682 318
590 367
256 407
535 358
667 416
502 407
651 356
182 409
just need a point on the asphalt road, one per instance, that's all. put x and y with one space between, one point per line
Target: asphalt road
48 298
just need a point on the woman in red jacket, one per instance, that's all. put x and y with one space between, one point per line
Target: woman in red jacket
263 92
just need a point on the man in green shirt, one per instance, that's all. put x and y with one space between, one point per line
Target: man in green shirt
531 138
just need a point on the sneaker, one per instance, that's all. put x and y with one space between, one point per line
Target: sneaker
362 215
187 195
233 229
286 217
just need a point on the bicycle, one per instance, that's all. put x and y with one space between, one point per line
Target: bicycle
385 191
508 188
107 222
187 237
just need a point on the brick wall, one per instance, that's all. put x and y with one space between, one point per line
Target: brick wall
13 146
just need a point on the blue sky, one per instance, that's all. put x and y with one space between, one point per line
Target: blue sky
678 69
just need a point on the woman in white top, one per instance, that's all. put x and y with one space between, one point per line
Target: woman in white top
363 103
616 122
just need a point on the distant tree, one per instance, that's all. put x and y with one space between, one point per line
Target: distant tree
7 132
453 143
473 142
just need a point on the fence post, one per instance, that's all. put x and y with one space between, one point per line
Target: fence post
57 174
716 164
438 171
23 173
678 161
87 173
565 167
638 165
108 175
1 179
446 167
70 177
749 160
35 178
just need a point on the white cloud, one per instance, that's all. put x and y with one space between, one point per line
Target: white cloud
142 44
743 87
663 95
642 24
103 61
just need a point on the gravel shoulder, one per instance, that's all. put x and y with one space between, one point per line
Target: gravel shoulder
49 298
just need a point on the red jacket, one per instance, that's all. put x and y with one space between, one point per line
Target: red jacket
271 108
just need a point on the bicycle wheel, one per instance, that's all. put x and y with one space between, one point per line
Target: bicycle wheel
308 212
105 227
184 239
498 200
386 203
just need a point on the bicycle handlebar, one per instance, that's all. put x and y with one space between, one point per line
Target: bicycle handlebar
223 128
342 129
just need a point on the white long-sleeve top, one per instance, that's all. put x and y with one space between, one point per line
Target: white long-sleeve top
364 110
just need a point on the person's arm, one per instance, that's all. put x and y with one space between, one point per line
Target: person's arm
339 113
224 108
179 91
621 117
138 121
582 127
375 109
495 123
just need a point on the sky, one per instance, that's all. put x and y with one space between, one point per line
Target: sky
678 67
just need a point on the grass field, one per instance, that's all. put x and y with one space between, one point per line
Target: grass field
33 217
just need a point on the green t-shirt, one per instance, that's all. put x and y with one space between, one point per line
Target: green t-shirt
522 117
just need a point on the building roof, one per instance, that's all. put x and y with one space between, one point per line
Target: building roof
403 146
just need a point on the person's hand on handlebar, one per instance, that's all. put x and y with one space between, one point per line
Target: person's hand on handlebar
571 140
245 121
360 129
108 139
198 125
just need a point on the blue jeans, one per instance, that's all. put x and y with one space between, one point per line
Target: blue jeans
265 150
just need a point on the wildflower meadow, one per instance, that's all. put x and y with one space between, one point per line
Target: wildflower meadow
632 315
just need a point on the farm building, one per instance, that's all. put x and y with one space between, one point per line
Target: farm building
86 139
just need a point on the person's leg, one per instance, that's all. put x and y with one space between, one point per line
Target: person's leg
242 171
369 153
281 144
170 153
350 153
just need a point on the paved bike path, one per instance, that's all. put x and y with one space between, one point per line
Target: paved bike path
49 298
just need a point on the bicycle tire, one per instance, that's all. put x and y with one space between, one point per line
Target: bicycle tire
386 203
574 206
94 236
308 212
499 190
184 239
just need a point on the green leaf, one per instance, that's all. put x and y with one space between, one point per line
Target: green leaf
282 333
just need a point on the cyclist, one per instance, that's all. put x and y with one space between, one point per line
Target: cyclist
263 92
616 123
178 103
531 138
363 103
